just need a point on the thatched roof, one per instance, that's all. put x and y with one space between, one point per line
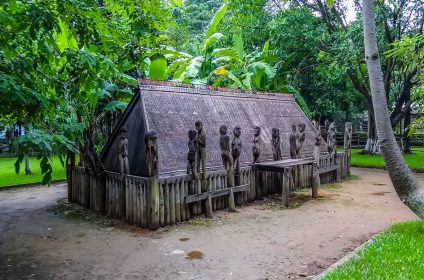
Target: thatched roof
172 110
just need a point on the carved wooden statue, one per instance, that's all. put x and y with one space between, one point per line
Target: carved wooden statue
317 152
152 154
300 139
293 141
256 148
193 149
201 154
236 145
276 144
331 142
326 128
348 136
123 152
225 145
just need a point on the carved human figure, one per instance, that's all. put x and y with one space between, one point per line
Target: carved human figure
236 146
201 154
293 141
300 139
317 151
193 149
331 142
348 136
256 148
152 154
276 144
123 152
225 145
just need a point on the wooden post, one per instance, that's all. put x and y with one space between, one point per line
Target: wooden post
208 201
316 182
153 202
231 202
153 193
339 168
285 193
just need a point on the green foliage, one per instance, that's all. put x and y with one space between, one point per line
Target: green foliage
394 254
411 52
64 63
8 176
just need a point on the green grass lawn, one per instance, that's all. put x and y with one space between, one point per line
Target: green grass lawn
394 254
8 176
415 160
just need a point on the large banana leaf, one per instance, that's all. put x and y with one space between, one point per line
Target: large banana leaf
215 21
158 66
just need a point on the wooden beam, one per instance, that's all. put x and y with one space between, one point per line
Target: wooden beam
217 193
327 169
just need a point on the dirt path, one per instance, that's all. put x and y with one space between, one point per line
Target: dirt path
38 241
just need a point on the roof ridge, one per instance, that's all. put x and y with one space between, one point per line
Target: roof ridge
147 83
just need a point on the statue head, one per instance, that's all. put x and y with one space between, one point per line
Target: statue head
275 133
301 127
348 126
123 130
151 139
237 131
199 126
332 127
257 131
294 128
223 129
192 134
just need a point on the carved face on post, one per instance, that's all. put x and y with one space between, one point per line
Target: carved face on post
199 126
237 131
257 131
301 127
223 129
151 154
348 126
123 131
275 133
332 127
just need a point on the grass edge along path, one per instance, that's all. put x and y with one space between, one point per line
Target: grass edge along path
8 176
396 253
415 160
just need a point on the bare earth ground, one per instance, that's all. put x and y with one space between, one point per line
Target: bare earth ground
43 239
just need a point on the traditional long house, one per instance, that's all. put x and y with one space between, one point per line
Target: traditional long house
159 193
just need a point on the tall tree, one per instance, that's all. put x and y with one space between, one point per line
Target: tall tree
405 183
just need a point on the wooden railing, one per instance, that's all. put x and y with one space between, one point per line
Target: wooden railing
129 197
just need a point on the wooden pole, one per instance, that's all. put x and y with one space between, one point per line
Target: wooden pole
316 182
153 209
285 193
231 202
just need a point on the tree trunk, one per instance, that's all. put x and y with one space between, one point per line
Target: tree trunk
371 135
406 123
404 182
27 167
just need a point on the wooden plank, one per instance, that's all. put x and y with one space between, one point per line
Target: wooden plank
327 169
182 204
216 193
167 212
187 207
177 202
145 205
161 206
